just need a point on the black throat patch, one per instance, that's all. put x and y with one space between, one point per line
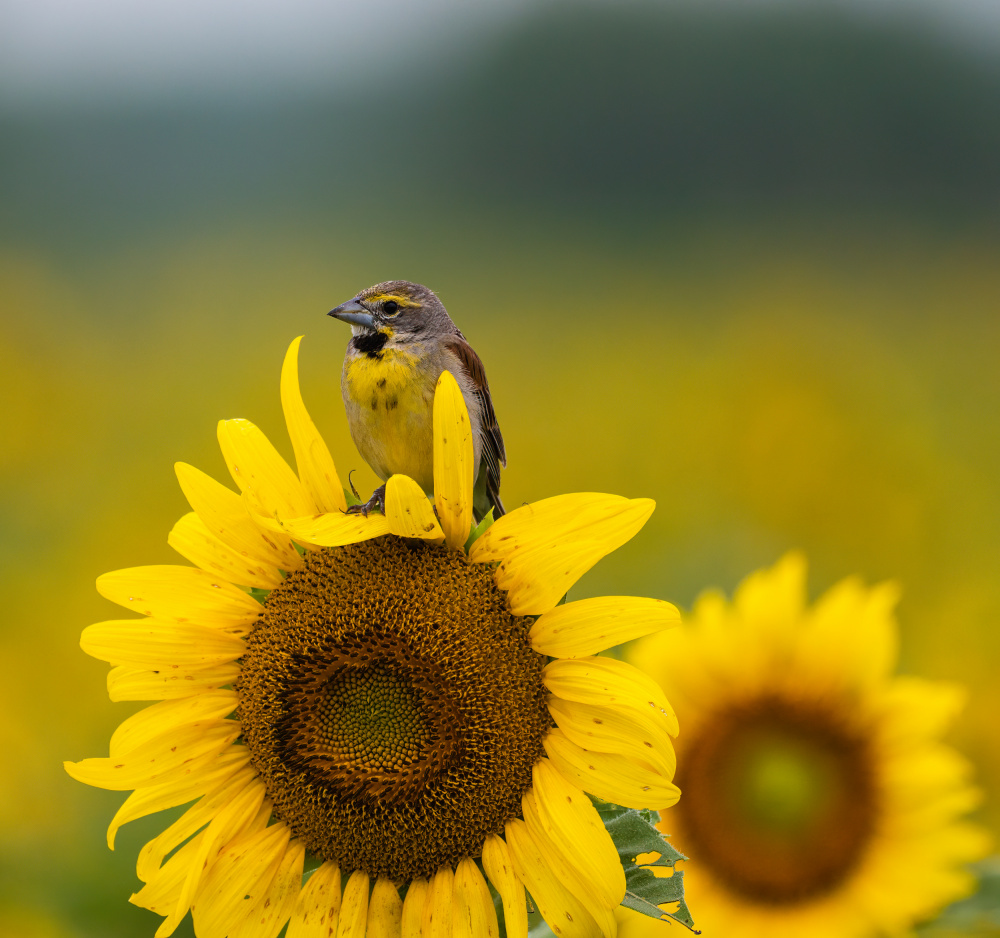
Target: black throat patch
370 343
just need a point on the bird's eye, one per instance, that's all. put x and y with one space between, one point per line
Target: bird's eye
390 307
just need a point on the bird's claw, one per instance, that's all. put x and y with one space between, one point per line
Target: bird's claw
376 501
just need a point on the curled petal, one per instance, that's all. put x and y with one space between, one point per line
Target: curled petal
333 530
317 471
408 512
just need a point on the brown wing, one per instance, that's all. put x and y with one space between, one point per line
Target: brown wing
493 452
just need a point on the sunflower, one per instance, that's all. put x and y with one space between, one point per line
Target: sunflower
819 798
371 719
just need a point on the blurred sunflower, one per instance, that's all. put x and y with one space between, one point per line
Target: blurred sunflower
819 798
363 698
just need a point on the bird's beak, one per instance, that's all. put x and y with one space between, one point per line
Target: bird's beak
354 313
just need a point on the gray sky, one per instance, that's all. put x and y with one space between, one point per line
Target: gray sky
62 50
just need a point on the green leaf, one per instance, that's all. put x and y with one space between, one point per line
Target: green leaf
259 594
479 529
634 833
978 914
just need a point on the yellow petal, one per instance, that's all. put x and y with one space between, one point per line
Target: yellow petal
231 813
588 626
602 729
226 517
333 530
261 473
317 471
608 682
166 718
145 801
567 873
571 821
179 593
159 895
547 559
318 907
500 869
160 645
150 765
385 910
437 908
453 461
241 874
611 776
128 683
475 915
191 538
562 911
354 907
417 896
581 515
272 909
408 511
228 808
538 578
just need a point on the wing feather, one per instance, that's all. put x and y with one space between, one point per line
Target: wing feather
493 451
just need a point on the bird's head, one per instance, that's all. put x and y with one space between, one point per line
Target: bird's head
398 309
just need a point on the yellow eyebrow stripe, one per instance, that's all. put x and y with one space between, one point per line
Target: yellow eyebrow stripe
403 301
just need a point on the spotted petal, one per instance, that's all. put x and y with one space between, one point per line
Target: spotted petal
588 626
408 512
545 547
610 776
453 461
499 868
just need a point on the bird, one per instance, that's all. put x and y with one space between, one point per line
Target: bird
402 339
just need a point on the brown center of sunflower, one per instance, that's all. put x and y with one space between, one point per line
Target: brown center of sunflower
392 705
779 798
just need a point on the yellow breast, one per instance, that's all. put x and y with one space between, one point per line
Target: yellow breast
389 403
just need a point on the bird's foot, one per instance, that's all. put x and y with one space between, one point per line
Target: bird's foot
376 501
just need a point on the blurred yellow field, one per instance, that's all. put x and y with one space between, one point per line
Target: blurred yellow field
833 393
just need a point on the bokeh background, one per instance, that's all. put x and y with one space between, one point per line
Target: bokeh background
739 257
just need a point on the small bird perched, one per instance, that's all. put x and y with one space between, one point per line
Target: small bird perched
403 338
